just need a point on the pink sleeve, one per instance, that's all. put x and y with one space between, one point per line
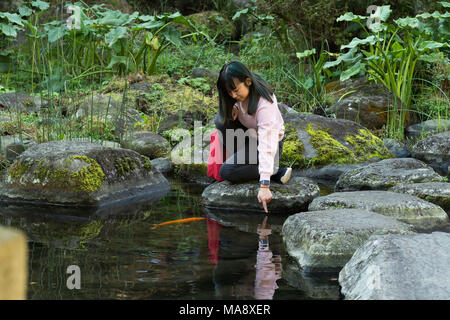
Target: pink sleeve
268 134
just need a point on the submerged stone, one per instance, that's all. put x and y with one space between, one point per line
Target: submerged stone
323 240
288 198
79 173
403 207
399 267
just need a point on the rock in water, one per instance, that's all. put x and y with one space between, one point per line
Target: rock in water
385 174
434 192
403 207
288 198
320 240
80 173
399 267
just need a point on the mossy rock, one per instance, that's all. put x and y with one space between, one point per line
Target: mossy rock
312 140
79 173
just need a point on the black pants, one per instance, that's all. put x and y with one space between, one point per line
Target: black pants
241 164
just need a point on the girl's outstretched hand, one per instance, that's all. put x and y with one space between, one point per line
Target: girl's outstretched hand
264 196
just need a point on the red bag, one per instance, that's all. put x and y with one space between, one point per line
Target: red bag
216 156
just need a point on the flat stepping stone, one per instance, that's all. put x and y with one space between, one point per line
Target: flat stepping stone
399 267
292 197
403 207
80 174
385 174
434 192
321 240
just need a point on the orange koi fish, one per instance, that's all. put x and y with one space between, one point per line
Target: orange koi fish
177 221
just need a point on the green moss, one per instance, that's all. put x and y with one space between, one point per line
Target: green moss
147 163
366 146
88 179
124 165
328 149
292 155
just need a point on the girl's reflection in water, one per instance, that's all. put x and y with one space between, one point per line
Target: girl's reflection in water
267 267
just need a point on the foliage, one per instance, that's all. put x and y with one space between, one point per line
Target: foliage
389 53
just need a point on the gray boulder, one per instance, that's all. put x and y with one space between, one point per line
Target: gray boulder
434 192
79 173
323 240
435 151
21 102
403 207
385 174
147 143
163 165
399 267
313 140
363 102
104 107
288 198
398 149
427 127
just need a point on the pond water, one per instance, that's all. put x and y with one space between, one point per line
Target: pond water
122 255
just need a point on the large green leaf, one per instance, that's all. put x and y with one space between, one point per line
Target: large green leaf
356 42
12 17
173 36
431 45
445 4
117 60
42 5
8 30
115 34
383 12
349 16
25 11
407 22
348 57
56 33
353 70
148 25
306 53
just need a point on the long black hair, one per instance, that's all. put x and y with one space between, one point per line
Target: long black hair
259 88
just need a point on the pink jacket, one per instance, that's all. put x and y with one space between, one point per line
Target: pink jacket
269 124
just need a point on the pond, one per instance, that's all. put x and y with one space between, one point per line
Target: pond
126 252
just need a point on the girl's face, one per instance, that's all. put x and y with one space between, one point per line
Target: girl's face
241 89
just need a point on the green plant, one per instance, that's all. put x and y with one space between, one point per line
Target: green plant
389 54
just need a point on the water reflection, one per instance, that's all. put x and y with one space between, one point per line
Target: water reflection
268 266
266 271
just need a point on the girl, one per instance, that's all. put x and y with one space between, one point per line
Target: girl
247 102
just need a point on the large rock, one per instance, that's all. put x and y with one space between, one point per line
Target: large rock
104 108
21 102
399 267
80 173
427 127
322 240
403 207
385 174
398 149
288 198
367 104
13 264
434 192
148 143
312 140
435 151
